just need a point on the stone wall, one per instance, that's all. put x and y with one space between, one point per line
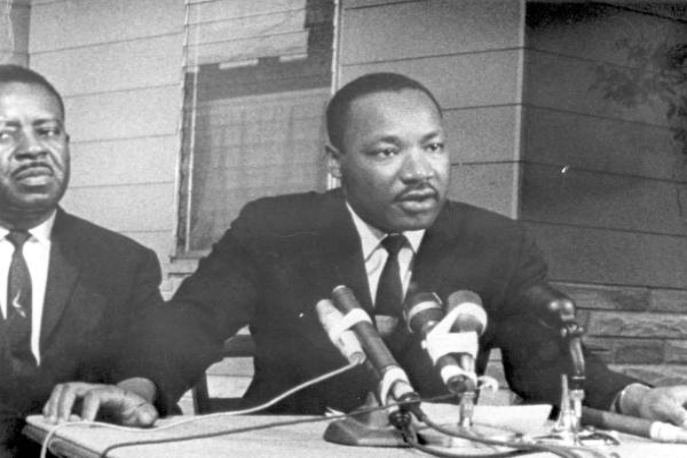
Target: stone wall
639 331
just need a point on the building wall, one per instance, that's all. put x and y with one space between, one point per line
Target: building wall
469 53
604 182
118 66
14 31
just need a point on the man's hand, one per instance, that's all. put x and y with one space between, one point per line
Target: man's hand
129 403
663 403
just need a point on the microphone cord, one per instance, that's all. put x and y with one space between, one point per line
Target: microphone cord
271 402
522 447
410 439
407 432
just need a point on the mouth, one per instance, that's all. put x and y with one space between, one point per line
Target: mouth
417 200
34 174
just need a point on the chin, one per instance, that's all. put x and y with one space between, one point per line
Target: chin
415 223
39 201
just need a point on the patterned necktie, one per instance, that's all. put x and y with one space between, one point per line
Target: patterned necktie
389 300
18 324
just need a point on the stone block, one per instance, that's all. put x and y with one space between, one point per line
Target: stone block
583 317
676 351
602 347
656 374
668 300
607 298
642 325
627 351
635 351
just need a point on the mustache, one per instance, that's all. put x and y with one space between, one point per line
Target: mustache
421 190
32 165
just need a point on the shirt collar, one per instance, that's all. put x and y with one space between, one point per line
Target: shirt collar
41 232
371 236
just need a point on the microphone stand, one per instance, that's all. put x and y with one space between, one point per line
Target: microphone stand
568 426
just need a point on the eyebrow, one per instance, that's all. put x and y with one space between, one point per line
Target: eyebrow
396 139
38 122
9 122
429 136
47 121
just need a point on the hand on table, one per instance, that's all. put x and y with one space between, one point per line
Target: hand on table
128 403
662 403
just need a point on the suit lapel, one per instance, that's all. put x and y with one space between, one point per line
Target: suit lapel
338 258
63 272
436 257
339 247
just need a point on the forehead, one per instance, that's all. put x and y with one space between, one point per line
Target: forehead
393 108
22 100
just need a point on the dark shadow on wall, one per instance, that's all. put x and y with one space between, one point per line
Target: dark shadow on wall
655 76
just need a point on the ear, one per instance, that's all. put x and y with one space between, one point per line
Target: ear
333 161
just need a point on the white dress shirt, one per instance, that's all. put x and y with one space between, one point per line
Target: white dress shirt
375 254
37 254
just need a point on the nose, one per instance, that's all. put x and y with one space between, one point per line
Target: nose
31 145
417 166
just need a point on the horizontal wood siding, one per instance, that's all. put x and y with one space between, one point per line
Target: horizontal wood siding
468 54
118 66
604 183
15 17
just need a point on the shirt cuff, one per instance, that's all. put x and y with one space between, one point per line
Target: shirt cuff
622 399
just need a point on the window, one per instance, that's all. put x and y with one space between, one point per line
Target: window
258 76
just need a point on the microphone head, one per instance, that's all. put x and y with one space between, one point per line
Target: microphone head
469 314
345 340
422 312
328 314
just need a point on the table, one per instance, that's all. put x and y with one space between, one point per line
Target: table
292 440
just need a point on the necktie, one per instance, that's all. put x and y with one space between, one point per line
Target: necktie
389 300
18 324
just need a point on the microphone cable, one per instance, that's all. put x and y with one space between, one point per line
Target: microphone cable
197 418
522 447
408 434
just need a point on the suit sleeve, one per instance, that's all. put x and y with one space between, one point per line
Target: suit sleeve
143 283
174 343
534 355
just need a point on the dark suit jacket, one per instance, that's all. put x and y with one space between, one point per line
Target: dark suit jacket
282 255
98 283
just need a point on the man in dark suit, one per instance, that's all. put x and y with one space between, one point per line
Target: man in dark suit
68 288
284 254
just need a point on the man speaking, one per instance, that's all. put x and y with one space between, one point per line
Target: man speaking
387 230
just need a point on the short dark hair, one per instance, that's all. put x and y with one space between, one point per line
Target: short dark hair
10 73
361 86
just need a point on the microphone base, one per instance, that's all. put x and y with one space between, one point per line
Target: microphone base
350 431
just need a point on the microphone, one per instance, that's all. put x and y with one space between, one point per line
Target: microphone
425 317
344 339
467 315
423 313
554 307
394 383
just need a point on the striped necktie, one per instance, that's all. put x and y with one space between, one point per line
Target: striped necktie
18 322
